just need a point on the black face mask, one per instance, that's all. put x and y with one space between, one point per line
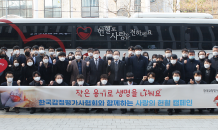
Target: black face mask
27 53
2 56
130 80
159 62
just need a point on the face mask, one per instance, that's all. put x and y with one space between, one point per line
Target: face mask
159 62
215 53
104 82
153 59
37 78
70 57
59 81
45 60
176 79
168 55
130 80
217 79
109 55
201 56
184 55
151 80
78 57
51 53
16 52
137 52
96 56
9 80
35 52
198 78
173 61
90 54
62 58
206 66
81 82
116 57
191 57
27 53
41 51
29 63
16 64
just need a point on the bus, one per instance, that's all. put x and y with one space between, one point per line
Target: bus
153 34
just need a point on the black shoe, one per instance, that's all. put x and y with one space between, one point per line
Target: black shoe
7 109
99 110
192 111
124 111
32 110
146 110
93 109
27 109
177 111
156 111
200 111
109 111
212 110
87 110
170 113
52 110
132 110
17 110
63 109
76 110
42 110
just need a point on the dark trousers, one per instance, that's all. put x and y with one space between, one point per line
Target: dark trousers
116 83
137 81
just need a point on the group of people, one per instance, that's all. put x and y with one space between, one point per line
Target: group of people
36 68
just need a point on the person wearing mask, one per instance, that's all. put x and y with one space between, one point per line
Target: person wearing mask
197 80
116 69
77 66
176 80
202 56
154 57
90 54
27 71
27 51
4 51
131 52
58 50
80 81
35 51
184 55
145 54
174 65
60 66
80 49
59 81
158 68
139 64
71 56
16 70
168 53
208 72
37 59
214 59
216 79
16 54
10 82
51 54
96 67
108 55
45 69
129 81
190 66
37 81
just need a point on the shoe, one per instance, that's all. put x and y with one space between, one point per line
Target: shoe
87 110
99 110
52 110
27 109
124 111
42 110
7 109
155 111
76 110
32 110
170 113
177 111
200 111
212 110
63 109
93 109
146 110
109 111
192 111
132 110
17 110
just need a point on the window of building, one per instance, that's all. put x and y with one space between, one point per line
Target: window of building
19 8
90 9
53 9
137 5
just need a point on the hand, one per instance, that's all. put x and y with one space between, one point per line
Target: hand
70 62
51 83
197 66
168 66
73 83
122 79
105 54
109 62
41 82
207 54
54 55
98 84
191 81
124 54
9 65
11 53
54 61
109 73
87 63
185 61
40 64
166 78
23 65
84 57
180 58
18 82
154 65
130 54
144 78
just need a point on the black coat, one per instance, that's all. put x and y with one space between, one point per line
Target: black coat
96 73
211 76
182 60
21 58
46 73
202 82
178 66
27 72
214 63
13 84
165 61
171 82
62 84
34 83
125 83
190 67
16 73
128 67
85 84
158 70
214 82
61 68
120 73
147 83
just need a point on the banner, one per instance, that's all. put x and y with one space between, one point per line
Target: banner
137 96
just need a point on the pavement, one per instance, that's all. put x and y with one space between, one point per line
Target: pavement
139 120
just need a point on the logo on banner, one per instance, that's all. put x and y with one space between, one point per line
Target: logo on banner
3 65
83 35
216 100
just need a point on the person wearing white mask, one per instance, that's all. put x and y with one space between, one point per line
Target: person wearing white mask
116 68
45 69
96 67
168 53
131 52
216 79
184 55
16 69
214 59
207 72
35 51
202 56
149 79
37 59
27 71
16 55
58 50
37 81
77 66
51 54
108 55
71 56
90 54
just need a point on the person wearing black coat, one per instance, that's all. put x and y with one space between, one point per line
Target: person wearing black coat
16 69
131 52
27 71
202 56
173 66
168 53
184 56
108 56
216 79
214 59
116 69
158 68
17 55
208 73
95 67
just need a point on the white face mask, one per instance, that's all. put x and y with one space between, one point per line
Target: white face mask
29 63
96 56
104 82
217 79
17 52
37 78
153 59
45 60
16 64
201 56
173 61
78 57
35 52
215 53
116 57
168 55
90 54
137 52
131 52
9 80
150 80
51 53
41 51
62 58
59 81
197 78
184 55
206 66
109 55
70 57
81 83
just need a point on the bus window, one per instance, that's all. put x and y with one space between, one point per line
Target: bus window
207 36
99 45
147 45
8 33
47 44
215 32
191 33
9 44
